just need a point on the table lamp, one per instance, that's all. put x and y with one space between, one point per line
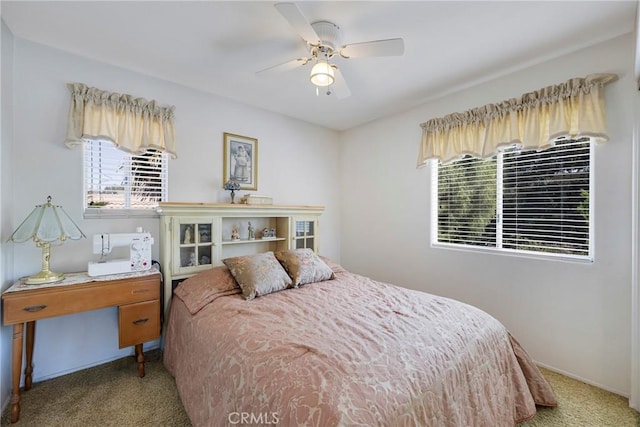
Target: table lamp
46 225
232 185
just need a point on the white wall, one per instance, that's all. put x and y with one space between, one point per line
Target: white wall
6 194
573 317
296 166
634 397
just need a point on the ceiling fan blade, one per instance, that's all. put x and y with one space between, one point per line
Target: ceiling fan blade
339 86
285 66
389 47
296 19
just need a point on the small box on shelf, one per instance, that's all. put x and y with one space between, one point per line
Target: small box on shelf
253 199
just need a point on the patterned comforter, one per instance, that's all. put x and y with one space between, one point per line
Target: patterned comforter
344 352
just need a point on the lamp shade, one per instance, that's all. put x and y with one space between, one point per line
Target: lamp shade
322 74
232 185
47 223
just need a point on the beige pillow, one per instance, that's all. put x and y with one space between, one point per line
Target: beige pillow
304 266
258 275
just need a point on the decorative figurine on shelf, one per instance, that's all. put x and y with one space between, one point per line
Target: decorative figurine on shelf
269 233
251 231
235 233
192 260
204 260
188 235
233 186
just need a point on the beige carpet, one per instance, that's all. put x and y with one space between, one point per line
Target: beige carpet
107 395
582 405
113 395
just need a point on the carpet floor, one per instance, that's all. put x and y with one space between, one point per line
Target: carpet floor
113 395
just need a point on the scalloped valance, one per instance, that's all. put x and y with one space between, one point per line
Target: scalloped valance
133 124
533 121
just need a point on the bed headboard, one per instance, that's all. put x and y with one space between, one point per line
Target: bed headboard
197 236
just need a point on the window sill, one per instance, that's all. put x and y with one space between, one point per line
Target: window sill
99 213
519 254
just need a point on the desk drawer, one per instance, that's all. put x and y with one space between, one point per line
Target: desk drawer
29 305
138 323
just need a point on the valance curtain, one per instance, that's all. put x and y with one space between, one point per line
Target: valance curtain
133 124
533 121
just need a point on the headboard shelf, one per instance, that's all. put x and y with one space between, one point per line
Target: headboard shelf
229 209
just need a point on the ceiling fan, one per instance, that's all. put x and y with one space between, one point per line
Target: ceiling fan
324 42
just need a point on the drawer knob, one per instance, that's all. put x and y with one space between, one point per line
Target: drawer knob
141 321
34 308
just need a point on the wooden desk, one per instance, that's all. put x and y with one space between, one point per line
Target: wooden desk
137 296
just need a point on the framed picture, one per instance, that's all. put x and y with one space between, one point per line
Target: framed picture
240 160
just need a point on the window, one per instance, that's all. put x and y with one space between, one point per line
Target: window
522 201
116 180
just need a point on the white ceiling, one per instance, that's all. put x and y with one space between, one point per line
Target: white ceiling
217 46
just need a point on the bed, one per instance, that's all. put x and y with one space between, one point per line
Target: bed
339 349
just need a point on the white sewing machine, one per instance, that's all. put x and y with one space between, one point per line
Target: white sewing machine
139 244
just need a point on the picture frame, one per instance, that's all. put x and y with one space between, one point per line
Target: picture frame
240 160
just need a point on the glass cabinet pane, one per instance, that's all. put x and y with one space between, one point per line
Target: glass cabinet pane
188 257
304 228
304 243
204 255
204 233
186 234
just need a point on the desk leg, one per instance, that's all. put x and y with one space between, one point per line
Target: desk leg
140 360
16 360
28 370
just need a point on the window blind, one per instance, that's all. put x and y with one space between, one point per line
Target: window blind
115 179
531 201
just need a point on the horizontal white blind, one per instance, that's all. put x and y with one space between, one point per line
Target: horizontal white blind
546 198
467 202
114 179
519 200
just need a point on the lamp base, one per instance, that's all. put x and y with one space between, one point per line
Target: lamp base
43 277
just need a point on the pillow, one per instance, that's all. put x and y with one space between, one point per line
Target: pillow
258 275
202 288
304 266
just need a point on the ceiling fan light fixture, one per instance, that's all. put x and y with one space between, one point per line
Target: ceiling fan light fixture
322 74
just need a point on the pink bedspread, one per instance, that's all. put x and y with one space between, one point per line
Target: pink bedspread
344 352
